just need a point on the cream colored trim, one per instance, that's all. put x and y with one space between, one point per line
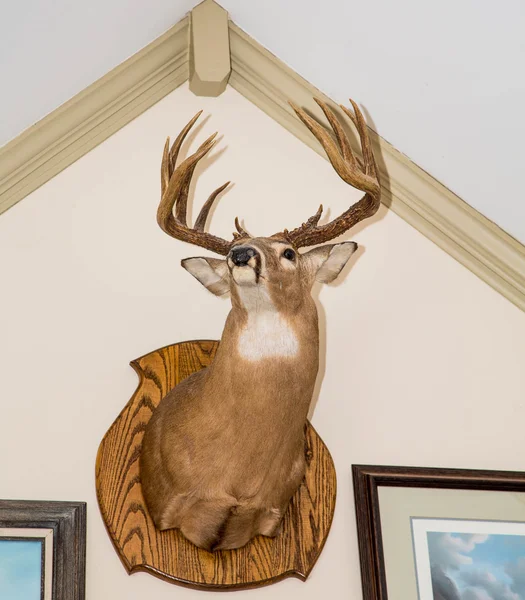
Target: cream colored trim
429 206
72 130
69 132
209 49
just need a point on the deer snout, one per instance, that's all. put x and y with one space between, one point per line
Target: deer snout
241 255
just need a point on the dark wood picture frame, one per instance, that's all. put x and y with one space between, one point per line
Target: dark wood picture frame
68 522
367 480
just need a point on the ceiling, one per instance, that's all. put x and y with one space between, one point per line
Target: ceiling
50 51
443 82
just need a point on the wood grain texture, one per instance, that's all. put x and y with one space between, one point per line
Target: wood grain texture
168 554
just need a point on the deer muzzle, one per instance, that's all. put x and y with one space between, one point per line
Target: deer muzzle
241 255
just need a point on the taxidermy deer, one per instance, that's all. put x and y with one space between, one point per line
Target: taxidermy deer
224 451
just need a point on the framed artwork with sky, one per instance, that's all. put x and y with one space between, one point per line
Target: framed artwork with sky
469 560
440 534
26 563
42 550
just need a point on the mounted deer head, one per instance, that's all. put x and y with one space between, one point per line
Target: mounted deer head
224 451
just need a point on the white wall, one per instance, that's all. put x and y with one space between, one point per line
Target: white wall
424 362
444 82
50 51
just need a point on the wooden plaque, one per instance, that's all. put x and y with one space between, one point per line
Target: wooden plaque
167 554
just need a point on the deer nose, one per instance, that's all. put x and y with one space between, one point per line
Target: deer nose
242 254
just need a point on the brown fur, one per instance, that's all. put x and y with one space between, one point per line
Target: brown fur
224 451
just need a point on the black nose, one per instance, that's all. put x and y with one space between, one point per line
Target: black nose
242 254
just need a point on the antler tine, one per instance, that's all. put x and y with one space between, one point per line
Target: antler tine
368 156
205 210
362 175
241 232
176 193
187 168
175 149
312 221
165 170
345 169
169 157
175 183
340 135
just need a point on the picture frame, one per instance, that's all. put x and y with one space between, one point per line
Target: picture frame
42 549
429 533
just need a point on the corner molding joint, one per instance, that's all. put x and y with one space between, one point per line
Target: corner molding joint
210 65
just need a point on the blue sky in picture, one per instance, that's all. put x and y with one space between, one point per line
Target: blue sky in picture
20 569
477 567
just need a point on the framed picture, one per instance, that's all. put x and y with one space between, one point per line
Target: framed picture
440 534
42 550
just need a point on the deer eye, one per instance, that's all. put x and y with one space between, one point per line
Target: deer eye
289 254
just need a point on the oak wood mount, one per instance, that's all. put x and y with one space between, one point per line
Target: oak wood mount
168 554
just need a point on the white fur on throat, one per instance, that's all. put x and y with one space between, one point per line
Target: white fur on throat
266 334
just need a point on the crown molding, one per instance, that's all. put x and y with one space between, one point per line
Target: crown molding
69 132
435 211
209 49
59 139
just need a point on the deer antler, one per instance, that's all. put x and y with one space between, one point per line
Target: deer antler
361 174
175 185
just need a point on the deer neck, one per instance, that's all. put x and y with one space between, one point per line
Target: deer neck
260 338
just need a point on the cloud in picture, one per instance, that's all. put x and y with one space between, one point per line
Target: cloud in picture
477 567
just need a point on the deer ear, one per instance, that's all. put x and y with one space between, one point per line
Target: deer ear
328 261
211 272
